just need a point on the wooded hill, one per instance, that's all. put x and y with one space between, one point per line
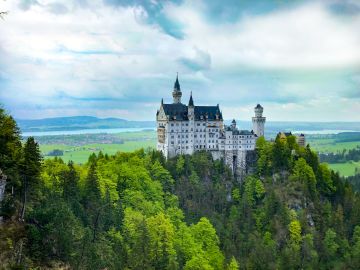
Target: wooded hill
139 211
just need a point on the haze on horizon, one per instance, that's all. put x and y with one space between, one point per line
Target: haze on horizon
118 58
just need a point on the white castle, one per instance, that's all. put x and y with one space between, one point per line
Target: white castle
185 129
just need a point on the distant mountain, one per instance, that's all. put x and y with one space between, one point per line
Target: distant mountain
79 122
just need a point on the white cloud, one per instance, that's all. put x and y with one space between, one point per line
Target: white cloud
308 36
51 61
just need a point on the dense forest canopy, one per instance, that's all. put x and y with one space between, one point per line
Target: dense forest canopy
140 211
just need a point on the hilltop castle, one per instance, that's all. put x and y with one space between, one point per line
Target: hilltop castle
185 129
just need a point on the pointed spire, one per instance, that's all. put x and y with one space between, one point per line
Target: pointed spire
191 101
162 101
177 91
177 84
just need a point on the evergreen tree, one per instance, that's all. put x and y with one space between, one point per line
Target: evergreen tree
30 171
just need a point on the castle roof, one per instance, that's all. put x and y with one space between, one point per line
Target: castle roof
179 111
176 111
238 132
209 111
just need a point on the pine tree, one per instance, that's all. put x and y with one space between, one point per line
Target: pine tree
92 200
30 172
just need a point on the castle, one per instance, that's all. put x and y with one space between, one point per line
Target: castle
185 129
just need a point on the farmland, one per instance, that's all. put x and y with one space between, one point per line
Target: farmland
78 147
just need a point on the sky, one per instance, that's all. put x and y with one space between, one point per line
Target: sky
117 58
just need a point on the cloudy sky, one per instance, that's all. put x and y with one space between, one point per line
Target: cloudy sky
118 58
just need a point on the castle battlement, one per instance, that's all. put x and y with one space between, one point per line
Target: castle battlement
184 129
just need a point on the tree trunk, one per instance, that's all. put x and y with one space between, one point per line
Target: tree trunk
24 200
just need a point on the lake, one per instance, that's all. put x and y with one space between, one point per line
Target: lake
83 131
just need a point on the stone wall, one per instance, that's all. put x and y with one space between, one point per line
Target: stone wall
241 164
216 155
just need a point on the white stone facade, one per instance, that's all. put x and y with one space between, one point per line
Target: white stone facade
185 129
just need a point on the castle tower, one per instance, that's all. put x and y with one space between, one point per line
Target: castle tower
301 140
177 91
259 121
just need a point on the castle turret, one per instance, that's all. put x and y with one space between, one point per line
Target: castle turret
177 91
259 121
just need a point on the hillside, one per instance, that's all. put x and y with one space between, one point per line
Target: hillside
139 211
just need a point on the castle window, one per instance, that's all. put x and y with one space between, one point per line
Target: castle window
172 142
172 124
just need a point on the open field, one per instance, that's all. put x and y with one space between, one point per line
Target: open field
330 146
345 169
78 147
334 144
80 154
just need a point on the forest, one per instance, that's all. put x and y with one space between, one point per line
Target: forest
139 211
341 157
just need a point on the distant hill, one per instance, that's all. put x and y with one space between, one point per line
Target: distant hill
79 122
